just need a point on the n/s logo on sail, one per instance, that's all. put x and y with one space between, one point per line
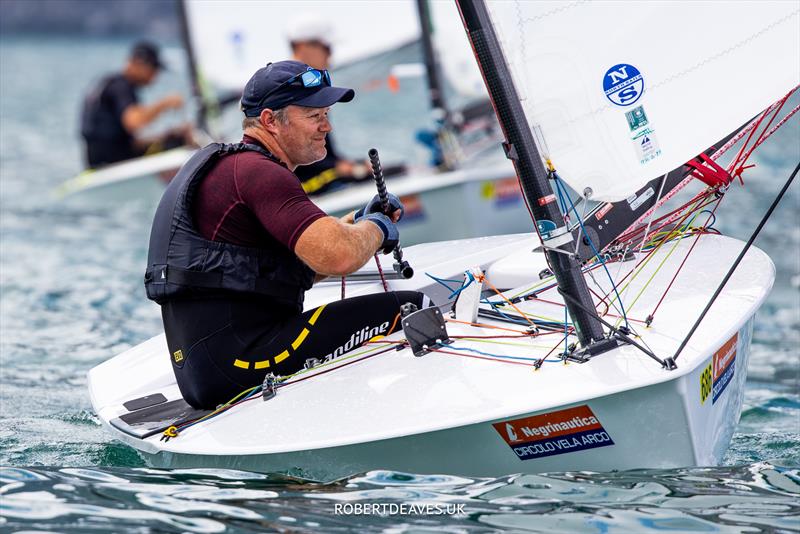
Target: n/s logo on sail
623 84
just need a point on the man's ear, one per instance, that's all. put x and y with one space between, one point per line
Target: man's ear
267 119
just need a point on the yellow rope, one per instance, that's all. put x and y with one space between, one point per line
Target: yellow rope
336 361
669 235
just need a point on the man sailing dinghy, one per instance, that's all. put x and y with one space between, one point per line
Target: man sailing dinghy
618 361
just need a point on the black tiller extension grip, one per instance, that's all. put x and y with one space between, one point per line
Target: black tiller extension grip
380 183
401 266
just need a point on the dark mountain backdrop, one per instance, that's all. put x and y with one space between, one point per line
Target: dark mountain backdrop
157 19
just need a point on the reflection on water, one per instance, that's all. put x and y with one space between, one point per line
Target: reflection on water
757 498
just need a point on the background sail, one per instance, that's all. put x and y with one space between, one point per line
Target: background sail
455 53
622 92
232 39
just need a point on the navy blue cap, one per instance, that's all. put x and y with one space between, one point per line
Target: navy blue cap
271 80
147 52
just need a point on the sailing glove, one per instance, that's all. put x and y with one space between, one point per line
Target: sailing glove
391 236
375 206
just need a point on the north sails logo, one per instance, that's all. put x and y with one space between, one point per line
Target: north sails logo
623 84
358 337
618 75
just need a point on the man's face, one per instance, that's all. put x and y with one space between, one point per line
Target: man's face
312 53
143 73
302 138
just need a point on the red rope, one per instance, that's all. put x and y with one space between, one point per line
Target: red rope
722 150
736 168
629 237
663 240
737 162
380 272
680 267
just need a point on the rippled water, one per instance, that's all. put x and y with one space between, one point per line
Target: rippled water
71 297
761 497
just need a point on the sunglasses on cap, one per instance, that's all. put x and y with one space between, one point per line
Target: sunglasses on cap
309 78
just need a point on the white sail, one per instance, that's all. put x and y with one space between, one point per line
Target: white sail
623 92
231 39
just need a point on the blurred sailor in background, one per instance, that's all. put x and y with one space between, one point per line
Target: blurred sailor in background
310 39
112 114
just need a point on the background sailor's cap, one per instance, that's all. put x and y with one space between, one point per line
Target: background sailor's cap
147 52
309 27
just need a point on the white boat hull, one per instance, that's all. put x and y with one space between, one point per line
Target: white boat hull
476 202
437 413
687 433
143 177
454 205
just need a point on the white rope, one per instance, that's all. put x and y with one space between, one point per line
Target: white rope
653 214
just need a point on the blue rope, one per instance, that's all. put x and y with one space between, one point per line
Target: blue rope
502 356
591 243
453 292
539 322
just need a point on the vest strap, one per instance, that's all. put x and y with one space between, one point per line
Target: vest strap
240 147
213 280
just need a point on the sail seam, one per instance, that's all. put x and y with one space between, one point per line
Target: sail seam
668 80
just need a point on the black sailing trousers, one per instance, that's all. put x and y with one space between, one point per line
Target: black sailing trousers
220 347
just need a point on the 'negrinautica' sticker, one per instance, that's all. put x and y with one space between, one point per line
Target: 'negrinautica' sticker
570 430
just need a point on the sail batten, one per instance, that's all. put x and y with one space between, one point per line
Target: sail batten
624 92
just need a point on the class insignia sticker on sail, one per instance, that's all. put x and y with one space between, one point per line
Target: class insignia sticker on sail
571 430
646 144
637 118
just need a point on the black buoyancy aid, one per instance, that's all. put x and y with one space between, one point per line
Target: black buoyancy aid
99 122
181 262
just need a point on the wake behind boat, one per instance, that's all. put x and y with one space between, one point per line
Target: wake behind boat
590 353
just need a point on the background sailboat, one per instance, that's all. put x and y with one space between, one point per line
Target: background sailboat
378 49
501 397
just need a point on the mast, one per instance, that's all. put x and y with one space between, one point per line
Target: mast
435 89
192 63
522 151
445 134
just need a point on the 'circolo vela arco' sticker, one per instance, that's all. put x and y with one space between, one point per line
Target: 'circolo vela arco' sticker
563 431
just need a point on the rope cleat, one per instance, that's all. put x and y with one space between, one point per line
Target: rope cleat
269 387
